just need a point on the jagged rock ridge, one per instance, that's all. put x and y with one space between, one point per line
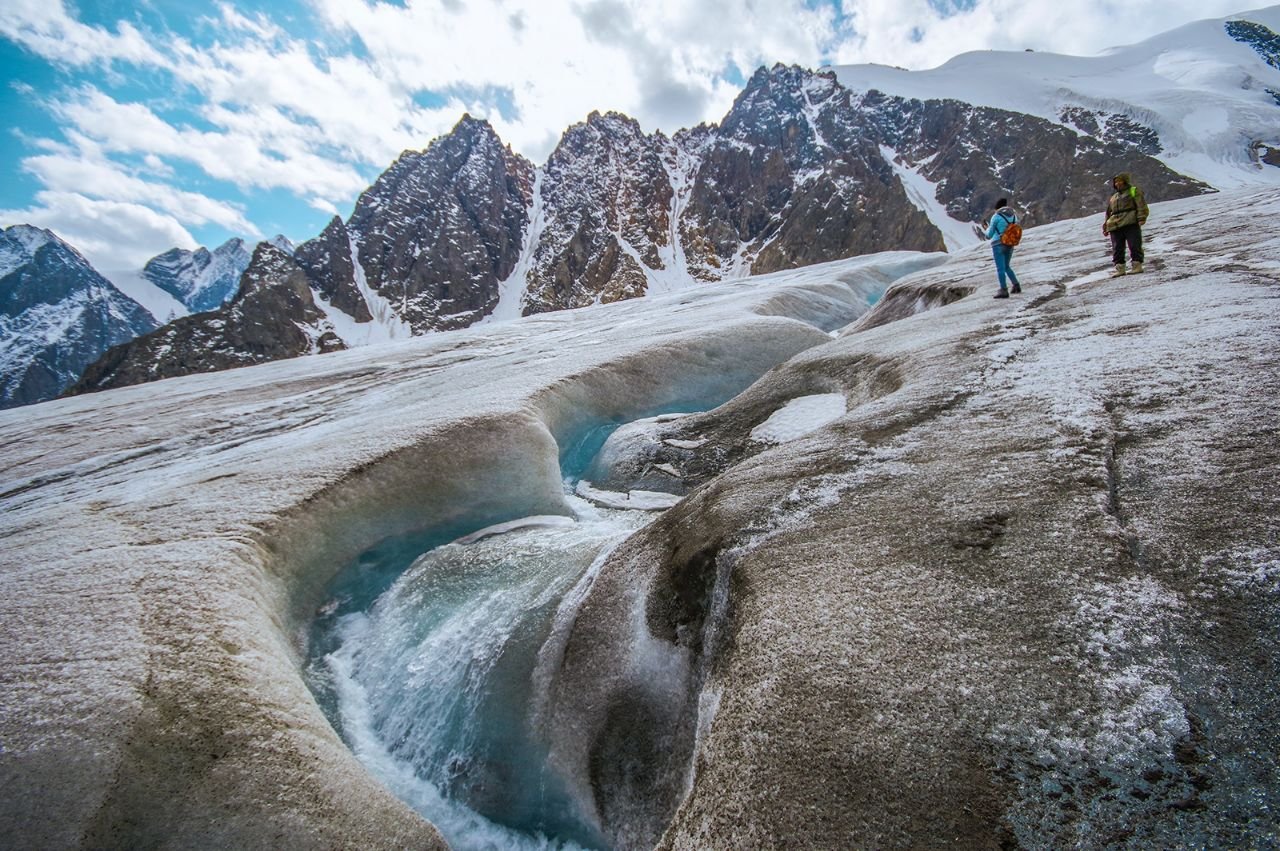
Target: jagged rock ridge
606 195
440 229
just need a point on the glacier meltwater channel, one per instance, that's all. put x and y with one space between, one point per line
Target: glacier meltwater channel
433 657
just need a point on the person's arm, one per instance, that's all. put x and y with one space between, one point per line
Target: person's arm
1141 201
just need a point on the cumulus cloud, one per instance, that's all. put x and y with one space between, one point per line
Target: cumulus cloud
84 171
112 235
664 62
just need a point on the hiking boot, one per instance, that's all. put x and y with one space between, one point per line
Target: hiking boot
1016 289
1118 271
1002 294
1135 268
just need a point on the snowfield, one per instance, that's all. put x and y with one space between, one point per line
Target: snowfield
1186 84
1003 570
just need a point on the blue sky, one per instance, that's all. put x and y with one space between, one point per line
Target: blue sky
134 127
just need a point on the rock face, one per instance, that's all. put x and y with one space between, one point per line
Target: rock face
792 177
330 267
800 171
1051 171
1264 40
201 279
440 229
605 198
57 315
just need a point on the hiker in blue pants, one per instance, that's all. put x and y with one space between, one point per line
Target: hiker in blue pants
1000 222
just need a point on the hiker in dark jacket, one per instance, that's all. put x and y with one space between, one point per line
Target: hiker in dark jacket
1126 214
1003 254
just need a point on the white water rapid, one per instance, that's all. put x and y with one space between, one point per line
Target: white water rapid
430 674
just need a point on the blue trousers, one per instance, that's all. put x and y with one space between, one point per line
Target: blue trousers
1004 255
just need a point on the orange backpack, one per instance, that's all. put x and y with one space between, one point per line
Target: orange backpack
1012 234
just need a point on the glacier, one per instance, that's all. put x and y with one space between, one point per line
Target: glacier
1019 585
1208 99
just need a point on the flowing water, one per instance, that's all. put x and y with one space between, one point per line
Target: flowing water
426 659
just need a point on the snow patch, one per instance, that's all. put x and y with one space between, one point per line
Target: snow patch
160 304
923 193
511 291
1194 86
386 325
799 417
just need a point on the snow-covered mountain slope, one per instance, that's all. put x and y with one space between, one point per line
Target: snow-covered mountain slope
1023 590
57 315
805 167
801 171
1204 98
160 304
201 279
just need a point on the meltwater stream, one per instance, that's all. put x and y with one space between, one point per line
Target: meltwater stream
431 673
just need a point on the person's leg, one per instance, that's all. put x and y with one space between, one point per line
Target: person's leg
1001 269
1135 243
1008 267
1117 247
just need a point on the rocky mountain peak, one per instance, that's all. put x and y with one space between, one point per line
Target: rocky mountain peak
200 279
22 244
19 244
57 315
440 229
269 263
777 109
606 202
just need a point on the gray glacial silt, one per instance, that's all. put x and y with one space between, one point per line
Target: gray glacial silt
1025 593
166 546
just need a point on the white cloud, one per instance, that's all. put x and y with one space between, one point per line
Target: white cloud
661 61
84 171
915 34
112 235
45 28
323 206
263 148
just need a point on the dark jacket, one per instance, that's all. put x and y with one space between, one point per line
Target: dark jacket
1127 206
